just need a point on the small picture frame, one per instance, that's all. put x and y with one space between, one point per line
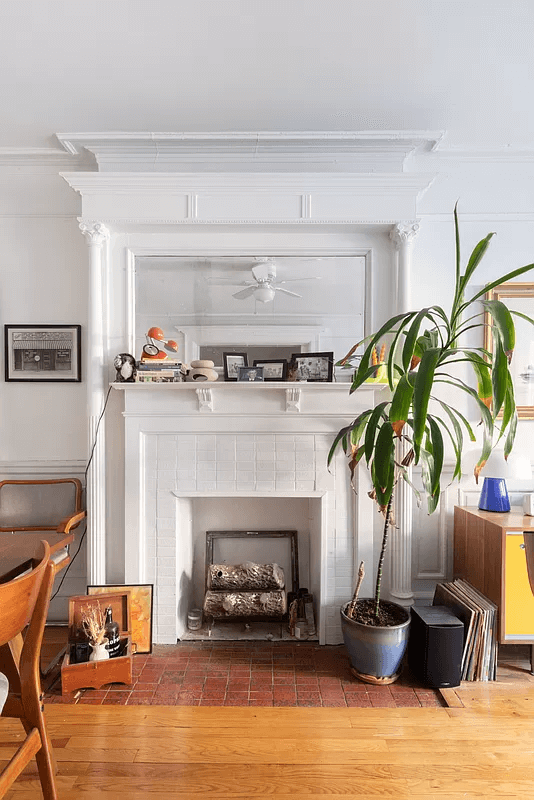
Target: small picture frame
250 374
274 369
231 364
43 353
314 367
141 611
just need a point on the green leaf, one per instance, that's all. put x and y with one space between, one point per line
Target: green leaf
372 429
400 404
340 435
498 375
387 327
393 349
383 465
437 455
411 337
503 322
475 259
523 316
457 438
482 372
383 456
421 395
505 278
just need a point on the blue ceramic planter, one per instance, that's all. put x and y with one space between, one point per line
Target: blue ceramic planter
494 495
375 653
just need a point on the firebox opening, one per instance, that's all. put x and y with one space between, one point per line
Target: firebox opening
197 515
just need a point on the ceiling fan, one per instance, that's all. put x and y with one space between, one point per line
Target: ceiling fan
264 285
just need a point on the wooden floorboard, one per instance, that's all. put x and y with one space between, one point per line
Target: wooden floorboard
482 748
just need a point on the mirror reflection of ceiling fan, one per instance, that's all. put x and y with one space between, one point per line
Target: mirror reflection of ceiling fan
263 285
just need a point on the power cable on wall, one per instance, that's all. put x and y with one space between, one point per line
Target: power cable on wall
85 481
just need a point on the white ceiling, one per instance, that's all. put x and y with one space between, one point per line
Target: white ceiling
464 66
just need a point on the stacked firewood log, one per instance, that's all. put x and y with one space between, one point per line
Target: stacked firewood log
245 590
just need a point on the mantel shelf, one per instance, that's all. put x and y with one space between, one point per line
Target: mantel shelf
264 391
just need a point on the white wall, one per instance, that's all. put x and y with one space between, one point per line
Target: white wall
43 430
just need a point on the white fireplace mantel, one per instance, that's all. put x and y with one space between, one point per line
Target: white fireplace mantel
236 193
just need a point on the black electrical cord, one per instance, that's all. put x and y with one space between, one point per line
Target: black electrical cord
85 478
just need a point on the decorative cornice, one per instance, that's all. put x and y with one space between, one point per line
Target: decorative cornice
149 183
271 148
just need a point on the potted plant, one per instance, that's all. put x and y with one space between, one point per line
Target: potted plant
409 428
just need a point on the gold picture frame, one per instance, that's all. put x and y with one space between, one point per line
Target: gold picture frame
141 608
518 297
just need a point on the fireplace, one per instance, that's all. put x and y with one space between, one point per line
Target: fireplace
166 454
250 463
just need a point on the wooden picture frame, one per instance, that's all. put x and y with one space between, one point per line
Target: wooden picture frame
274 369
141 610
314 367
518 297
43 353
231 364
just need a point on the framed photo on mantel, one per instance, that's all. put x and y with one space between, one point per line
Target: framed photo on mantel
40 353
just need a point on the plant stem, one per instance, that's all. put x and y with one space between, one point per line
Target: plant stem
382 553
354 601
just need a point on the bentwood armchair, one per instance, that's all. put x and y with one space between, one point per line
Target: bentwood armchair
23 608
44 505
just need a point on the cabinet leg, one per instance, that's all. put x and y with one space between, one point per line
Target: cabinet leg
532 659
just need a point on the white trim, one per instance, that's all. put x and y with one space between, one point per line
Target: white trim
60 468
235 183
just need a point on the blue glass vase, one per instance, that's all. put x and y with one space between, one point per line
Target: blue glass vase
494 495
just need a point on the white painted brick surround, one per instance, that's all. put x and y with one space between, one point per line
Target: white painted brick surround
172 460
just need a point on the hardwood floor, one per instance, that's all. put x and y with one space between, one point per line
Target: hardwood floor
483 748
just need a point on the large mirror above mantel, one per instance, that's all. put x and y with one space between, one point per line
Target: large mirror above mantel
268 307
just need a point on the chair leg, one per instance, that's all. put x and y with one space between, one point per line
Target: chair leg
46 762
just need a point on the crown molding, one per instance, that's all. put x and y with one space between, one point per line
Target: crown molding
357 150
40 157
490 155
146 183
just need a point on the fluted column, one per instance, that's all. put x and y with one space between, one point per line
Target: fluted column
96 236
401 591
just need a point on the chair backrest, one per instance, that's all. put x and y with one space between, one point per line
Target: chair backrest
19 599
38 505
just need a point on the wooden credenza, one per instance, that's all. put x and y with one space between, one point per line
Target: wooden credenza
490 553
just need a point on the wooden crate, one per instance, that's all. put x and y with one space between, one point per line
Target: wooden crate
94 674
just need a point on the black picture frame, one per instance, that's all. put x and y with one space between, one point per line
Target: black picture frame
231 364
43 353
250 375
314 367
270 365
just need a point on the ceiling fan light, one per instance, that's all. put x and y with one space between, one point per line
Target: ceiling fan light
265 294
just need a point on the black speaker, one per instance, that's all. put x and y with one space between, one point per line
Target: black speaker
435 646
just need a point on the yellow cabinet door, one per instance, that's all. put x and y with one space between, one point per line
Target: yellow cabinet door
519 599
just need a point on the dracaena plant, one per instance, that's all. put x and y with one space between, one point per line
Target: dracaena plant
424 345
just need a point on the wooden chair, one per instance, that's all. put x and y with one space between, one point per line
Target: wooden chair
24 602
47 505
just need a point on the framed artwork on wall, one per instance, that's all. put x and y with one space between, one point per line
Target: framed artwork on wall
45 353
141 609
519 297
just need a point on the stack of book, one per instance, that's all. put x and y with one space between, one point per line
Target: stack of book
479 615
160 371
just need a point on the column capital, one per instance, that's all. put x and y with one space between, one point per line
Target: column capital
95 233
403 233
